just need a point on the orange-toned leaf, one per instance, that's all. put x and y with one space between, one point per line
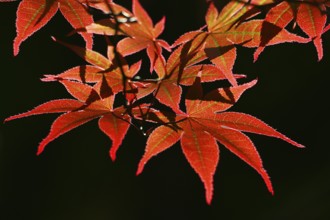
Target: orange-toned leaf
204 124
248 123
115 127
66 123
239 144
78 17
84 73
34 14
54 106
202 153
222 53
159 140
31 16
143 35
88 55
312 20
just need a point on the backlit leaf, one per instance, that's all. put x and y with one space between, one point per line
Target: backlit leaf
34 14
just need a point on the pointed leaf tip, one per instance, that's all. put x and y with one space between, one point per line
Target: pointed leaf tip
41 148
115 128
112 154
209 194
202 152
140 168
159 140
267 180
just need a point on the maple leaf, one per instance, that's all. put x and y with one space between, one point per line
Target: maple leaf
118 15
87 106
111 77
203 125
175 72
312 20
182 69
102 5
141 32
34 14
142 35
92 102
310 16
226 30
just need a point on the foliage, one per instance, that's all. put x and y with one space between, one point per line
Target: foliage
168 104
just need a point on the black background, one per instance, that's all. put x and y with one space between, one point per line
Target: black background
75 179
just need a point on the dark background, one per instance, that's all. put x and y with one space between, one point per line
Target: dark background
75 179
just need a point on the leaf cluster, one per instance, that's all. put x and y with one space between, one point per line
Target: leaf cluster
168 103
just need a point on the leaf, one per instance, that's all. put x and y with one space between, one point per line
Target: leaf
78 17
102 27
222 53
242 146
82 92
248 123
107 26
231 27
202 153
34 14
54 106
88 55
219 50
142 35
102 5
179 70
159 140
186 37
221 99
312 21
115 127
83 73
208 73
31 16
201 127
167 89
310 16
113 122
249 34
110 76
67 122
280 15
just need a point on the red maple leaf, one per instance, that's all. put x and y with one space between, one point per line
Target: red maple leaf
227 29
34 14
310 16
203 125
92 101
102 5
111 77
143 35
87 107
181 69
